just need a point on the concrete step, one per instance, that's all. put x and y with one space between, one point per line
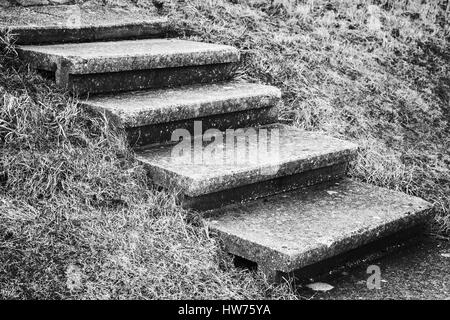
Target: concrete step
151 116
293 230
73 23
113 66
273 158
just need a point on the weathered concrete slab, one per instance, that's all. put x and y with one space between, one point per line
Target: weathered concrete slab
152 116
135 109
112 66
127 55
250 192
74 23
235 164
292 230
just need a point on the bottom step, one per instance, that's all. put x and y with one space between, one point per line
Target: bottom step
289 231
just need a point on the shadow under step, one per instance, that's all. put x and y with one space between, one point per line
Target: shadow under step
113 66
245 164
152 116
298 229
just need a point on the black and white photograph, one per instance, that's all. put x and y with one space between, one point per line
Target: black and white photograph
227 157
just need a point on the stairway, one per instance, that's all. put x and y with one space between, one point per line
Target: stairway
274 194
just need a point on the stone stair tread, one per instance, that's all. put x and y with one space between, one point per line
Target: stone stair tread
289 231
73 23
127 55
140 108
298 151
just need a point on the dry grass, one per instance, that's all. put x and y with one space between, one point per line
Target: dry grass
76 217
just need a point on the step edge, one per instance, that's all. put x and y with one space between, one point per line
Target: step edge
194 187
338 157
186 111
26 27
82 65
34 34
91 65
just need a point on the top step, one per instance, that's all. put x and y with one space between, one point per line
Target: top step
63 24
96 67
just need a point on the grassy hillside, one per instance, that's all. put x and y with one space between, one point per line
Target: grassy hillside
377 74
76 218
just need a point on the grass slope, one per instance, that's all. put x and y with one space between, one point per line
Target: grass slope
76 218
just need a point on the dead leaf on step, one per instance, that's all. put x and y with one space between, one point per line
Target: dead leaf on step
446 255
320 286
